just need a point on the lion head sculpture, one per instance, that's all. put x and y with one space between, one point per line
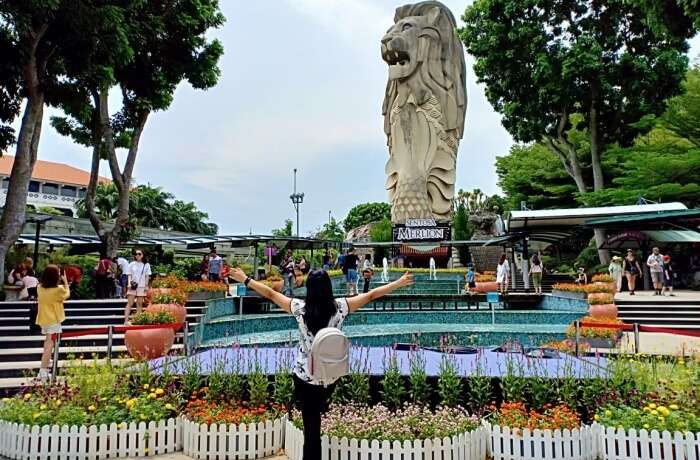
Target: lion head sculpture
423 50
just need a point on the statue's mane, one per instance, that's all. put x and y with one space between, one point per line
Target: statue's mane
442 71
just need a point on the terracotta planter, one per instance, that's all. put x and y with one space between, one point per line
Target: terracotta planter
178 311
486 286
606 310
145 344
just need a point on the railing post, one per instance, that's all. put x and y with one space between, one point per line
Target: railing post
185 338
577 337
636 337
110 342
54 365
458 291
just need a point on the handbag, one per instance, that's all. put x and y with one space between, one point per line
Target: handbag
134 285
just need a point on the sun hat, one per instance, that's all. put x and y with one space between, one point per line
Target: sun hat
667 258
617 258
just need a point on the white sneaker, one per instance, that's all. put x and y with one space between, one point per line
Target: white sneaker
44 375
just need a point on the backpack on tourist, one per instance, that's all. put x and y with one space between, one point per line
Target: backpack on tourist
329 356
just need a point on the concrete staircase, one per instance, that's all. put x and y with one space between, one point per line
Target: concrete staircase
20 349
679 312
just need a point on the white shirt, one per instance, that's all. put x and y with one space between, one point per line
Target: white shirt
28 282
301 365
367 265
655 263
123 265
502 270
139 272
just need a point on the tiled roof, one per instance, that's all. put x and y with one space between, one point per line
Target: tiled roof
51 172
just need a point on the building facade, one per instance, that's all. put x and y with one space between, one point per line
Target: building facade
55 185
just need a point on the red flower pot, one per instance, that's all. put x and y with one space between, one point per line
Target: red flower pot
606 310
486 286
145 344
178 311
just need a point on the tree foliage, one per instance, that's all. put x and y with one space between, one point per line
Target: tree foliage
381 232
332 231
151 207
366 213
285 231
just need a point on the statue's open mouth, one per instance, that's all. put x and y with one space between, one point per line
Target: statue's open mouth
396 57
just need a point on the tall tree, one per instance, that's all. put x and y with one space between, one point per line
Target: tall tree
168 45
545 60
366 213
41 42
284 231
332 231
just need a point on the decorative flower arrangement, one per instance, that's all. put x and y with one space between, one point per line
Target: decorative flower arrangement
407 423
596 332
567 346
213 412
175 296
485 277
515 415
153 317
602 278
167 282
600 299
650 417
570 287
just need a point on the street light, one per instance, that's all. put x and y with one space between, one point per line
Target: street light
297 199
37 221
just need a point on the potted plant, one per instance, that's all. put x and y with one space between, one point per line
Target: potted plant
517 433
205 290
275 282
414 430
602 305
150 343
570 291
173 302
597 337
486 282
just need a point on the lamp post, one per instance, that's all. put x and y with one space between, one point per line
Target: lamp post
297 199
37 221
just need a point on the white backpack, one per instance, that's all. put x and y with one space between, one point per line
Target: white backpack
329 356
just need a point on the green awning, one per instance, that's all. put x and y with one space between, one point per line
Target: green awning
673 236
649 217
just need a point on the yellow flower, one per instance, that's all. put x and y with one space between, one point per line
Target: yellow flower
681 362
663 411
5 399
121 426
170 407
92 408
36 415
152 396
42 407
654 412
646 409
673 407
160 391
608 413
58 402
661 419
130 402
652 405
143 417
103 399
146 386
27 396
646 426
597 417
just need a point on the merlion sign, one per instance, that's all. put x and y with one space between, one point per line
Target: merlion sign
423 110
421 230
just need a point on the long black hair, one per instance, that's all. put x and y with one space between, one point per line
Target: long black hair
320 304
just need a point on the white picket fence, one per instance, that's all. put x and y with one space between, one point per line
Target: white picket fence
53 442
516 444
466 446
643 445
233 442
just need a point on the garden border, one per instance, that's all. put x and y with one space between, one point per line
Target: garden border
647 445
25 442
243 441
471 445
511 444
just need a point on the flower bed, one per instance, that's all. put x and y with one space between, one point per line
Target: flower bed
553 433
597 337
20 442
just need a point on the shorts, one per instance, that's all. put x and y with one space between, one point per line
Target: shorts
214 277
657 277
138 292
500 279
52 329
472 285
668 282
123 280
351 276
537 279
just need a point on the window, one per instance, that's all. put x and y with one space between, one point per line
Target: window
68 190
34 186
5 182
50 188
81 193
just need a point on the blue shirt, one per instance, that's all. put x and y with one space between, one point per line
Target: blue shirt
470 277
215 264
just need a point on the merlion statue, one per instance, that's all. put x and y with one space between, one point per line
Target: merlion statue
423 110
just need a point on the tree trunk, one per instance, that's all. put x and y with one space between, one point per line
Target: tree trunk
15 209
597 168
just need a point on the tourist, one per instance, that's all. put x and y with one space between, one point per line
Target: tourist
103 277
469 280
29 285
615 271
319 310
287 270
655 262
367 263
215 265
16 275
536 270
51 294
74 275
350 269
139 273
341 261
122 280
668 277
581 277
303 266
204 268
326 260
502 274
632 270
367 278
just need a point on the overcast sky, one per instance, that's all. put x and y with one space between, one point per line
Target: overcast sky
301 87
